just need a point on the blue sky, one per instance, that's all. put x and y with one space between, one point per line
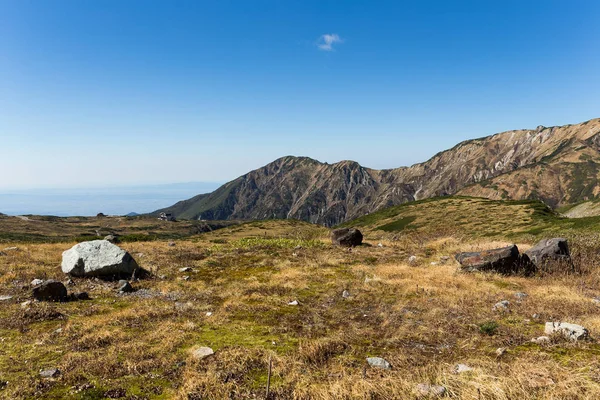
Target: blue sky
121 92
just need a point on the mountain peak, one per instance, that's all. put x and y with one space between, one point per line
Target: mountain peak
558 165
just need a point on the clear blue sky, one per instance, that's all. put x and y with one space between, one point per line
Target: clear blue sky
117 92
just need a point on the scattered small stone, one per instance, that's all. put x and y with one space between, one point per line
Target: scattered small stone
125 287
535 316
460 368
70 282
185 278
298 247
81 388
444 259
49 373
412 259
345 294
36 282
10 249
112 238
293 303
184 306
115 393
596 300
500 351
541 340
171 244
501 306
520 295
186 269
378 362
202 352
208 314
50 291
5 297
425 389
59 330
26 303
379 244
294 254
569 331
434 263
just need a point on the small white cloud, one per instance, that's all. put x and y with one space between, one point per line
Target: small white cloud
327 41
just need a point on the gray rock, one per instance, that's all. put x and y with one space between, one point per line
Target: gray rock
345 294
97 258
186 269
412 259
50 291
569 331
501 305
202 352
520 295
5 297
541 340
378 362
171 244
460 368
347 237
112 238
49 373
505 260
125 287
547 251
36 282
427 390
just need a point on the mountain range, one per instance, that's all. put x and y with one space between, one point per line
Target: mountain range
558 165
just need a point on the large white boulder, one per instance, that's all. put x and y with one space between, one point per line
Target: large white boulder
97 258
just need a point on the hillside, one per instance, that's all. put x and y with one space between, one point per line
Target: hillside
278 293
558 165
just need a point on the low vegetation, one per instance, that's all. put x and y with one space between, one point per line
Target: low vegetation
240 296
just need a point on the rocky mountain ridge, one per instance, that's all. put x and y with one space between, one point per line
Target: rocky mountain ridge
558 165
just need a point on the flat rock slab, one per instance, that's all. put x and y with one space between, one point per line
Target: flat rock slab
49 373
97 258
569 331
505 260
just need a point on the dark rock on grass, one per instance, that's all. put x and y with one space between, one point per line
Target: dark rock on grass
49 373
550 251
505 260
79 296
347 237
50 291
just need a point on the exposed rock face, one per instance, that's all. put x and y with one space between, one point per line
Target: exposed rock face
97 258
548 251
569 331
505 260
347 237
50 291
559 165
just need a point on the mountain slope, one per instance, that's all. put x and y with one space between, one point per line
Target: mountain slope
559 165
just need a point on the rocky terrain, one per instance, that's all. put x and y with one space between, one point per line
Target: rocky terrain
424 304
558 165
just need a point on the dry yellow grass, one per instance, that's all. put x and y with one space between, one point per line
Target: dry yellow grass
423 318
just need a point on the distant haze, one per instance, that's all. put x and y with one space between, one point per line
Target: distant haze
91 201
